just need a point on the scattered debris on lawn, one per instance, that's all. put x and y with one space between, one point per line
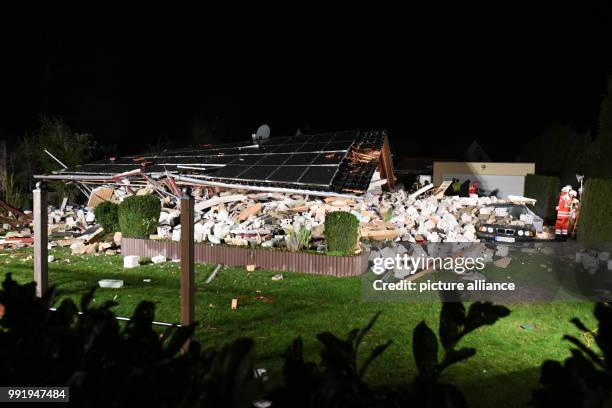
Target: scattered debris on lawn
503 262
234 304
527 326
131 261
111 283
158 259
277 277
213 274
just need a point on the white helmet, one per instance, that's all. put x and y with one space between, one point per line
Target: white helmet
566 189
573 193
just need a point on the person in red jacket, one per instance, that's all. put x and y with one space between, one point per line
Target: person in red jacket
563 212
473 188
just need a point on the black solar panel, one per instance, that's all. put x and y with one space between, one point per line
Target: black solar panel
317 161
288 174
274 159
321 176
250 159
288 148
301 158
328 158
313 147
340 145
258 173
229 171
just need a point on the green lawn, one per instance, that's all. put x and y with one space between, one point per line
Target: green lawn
503 372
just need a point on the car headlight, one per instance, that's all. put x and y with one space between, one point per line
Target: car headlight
529 233
482 229
521 232
490 230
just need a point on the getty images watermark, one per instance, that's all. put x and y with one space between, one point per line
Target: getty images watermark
412 264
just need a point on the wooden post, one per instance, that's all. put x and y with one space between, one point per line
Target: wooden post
187 259
41 260
386 165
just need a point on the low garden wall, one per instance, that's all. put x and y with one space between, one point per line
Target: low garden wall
275 260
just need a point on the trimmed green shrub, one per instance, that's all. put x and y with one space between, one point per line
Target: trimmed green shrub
341 232
139 215
595 222
107 215
546 190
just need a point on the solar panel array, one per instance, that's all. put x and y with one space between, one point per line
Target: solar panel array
305 161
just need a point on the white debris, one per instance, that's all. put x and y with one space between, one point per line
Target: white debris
131 261
165 232
158 259
502 250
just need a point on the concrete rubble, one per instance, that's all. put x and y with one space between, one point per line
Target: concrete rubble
265 218
243 218
131 261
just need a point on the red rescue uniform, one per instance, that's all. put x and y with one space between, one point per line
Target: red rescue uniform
473 189
563 214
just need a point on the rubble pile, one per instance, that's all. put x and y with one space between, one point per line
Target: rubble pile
243 218
68 226
265 218
449 219
15 226
70 219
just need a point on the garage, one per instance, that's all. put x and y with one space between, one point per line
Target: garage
501 179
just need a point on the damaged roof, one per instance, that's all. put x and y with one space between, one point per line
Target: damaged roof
341 162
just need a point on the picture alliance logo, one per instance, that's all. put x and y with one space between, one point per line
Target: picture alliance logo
413 264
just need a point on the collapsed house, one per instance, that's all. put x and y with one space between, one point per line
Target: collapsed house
255 192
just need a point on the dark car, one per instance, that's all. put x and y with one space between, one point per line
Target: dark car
513 223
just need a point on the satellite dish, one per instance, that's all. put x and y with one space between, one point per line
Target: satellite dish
263 132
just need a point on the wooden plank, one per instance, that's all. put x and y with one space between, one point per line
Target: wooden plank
439 191
379 235
41 252
187 260
386 165
99 195
17 213
421 191
247 212
203 205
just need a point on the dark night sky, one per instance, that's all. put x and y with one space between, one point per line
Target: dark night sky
134 76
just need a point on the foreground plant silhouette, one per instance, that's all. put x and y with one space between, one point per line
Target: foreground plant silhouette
106 366
338 381
585 378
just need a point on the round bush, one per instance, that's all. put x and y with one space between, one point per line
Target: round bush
107 215
139 216
341 232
